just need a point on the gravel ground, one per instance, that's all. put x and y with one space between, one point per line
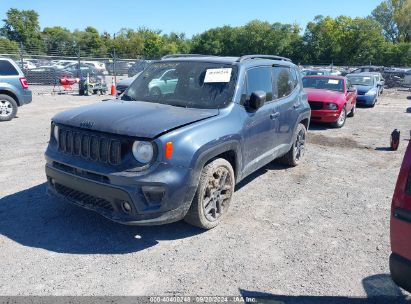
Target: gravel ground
319 230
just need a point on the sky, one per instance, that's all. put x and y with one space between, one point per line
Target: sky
190 17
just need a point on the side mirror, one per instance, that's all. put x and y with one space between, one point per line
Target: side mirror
257 100
352 89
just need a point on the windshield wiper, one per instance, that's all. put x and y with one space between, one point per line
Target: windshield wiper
127 97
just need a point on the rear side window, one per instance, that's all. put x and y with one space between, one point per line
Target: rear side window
259 79
284 82
7 69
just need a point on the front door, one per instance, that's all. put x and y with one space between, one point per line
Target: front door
259 133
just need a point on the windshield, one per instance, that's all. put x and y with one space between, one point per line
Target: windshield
186 84
324 83
361 80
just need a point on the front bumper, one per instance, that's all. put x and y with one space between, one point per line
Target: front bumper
366 100
157 198
325 115
26 97
400 269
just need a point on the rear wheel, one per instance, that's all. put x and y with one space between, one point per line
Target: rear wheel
297 151
213 195
8 107
341 119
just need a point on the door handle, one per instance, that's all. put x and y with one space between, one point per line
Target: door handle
296 105
275 115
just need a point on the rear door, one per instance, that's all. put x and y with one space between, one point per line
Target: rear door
286 94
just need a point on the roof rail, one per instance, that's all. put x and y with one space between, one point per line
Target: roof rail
249 57
184 55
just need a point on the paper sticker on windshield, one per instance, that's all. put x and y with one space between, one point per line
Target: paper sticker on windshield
218 75
333 81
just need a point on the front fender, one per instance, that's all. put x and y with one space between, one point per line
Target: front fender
211 150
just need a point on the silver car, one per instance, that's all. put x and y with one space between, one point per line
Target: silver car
14 89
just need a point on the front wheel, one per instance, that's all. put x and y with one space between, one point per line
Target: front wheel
353 110
213 195
341 119
297 151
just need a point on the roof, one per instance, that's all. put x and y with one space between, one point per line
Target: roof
225 60
362 74
325 76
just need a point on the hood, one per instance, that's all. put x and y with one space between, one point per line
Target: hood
323 95
126 82
132 118
361 89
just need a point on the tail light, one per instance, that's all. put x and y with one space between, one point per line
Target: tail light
24 83
402 194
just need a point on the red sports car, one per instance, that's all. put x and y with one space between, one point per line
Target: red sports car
400 259
331 98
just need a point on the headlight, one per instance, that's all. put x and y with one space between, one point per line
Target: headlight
143 151
371 92
332 106
56 133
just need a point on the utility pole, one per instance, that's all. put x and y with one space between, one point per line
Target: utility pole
78 57
21 55
114 60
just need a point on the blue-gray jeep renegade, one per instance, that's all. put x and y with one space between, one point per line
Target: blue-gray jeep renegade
182 135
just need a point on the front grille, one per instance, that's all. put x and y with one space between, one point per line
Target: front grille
361 93
316 105
83 198
90 145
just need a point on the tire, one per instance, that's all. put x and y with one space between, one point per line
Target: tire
341 119
353 110
214 193
296 153
8 107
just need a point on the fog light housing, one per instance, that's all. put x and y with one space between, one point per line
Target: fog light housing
154 194
126 207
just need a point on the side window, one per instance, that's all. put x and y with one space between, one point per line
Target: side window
283 81
348 84
7 69
294 78
259 79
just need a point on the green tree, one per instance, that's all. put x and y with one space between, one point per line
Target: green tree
395 19
8 46
89 42
23 27
343 40
59 41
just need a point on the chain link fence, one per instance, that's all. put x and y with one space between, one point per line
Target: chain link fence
50 68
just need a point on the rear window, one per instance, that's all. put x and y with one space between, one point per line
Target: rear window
7 69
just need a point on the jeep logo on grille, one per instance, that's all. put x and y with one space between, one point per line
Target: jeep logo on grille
87 124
